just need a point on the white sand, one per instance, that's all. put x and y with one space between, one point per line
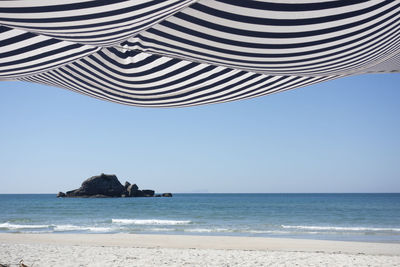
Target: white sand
174 250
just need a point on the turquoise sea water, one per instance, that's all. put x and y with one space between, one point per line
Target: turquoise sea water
357 217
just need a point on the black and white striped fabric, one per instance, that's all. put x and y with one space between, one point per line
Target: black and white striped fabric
175 53
100 22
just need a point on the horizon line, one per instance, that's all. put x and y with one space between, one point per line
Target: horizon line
233 193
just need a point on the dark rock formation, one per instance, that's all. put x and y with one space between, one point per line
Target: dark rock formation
148 193
96 196
127 184
133 190
105 185
137 193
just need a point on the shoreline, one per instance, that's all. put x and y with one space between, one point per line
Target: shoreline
204 242
179 250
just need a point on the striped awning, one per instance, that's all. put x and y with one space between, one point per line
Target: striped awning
174 53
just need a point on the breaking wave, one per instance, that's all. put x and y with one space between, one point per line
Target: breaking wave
150 222
11 226
70 227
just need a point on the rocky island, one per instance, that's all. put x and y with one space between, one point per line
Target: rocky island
108 185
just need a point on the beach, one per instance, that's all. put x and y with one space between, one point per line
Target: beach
187 250
202 230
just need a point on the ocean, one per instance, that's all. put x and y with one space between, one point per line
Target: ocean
350 217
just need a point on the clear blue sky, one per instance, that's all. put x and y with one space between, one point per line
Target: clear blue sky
337 136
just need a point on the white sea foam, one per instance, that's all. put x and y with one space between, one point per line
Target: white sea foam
22 226
266 232
208 230
36 232
149 222
70 227
100 229
160 229
67 227
338 228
